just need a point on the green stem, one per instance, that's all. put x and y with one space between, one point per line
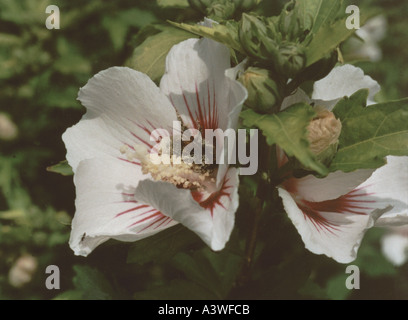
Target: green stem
265 156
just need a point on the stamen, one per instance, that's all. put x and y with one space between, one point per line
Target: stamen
180 171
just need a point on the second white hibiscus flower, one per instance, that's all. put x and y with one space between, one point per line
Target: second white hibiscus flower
332 214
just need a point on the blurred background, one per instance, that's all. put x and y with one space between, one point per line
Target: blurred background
41 71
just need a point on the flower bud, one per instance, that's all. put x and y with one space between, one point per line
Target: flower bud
246 5
291 59
294 26
324 131
258 38
223 9
22 271
200 5
263 92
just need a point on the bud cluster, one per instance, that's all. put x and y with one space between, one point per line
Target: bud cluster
223 9
263 40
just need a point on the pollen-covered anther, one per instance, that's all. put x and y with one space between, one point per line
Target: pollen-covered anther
182 174
324 131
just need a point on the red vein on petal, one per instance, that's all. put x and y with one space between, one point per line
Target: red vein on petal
129 146
193 121
141 140
131 210
157 213
215 110
127 194
342 205
168 222
168 219
318 221
214 199
129 161
199 114
153 223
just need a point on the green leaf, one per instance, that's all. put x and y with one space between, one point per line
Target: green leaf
173 3
370 133
162 246
176 290
330 30
61 97
62 168
336 287
17 214
69 295
312 290
150 56
118 24
288 129
309 16
226 34
92 283
215 271
70 60
319 12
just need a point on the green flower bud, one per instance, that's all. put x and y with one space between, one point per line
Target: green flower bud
200 5
246 5
255 37
222 9
291 59
263 92
293 27
324 131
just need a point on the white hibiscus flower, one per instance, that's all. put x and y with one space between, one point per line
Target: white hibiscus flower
394 245
366 47
332 214
119 193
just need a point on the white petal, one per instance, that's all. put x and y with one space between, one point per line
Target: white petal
374 29
235 72
344 81
123 107
196 83
208 22
395 248
371 33
296 97
390 184
300 96
333 186
106 207
368 50
212 221
335 227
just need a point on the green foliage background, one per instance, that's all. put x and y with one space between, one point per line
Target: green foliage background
40 73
